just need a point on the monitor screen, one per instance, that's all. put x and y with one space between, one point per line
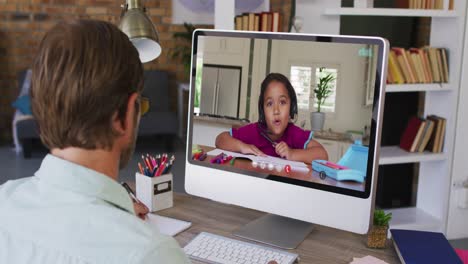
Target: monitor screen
296 109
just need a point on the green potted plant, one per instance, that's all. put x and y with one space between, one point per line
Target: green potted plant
184 51
377 236
322 92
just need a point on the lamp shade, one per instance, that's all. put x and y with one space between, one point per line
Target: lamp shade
141 32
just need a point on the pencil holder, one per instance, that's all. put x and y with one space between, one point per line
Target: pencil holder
154 192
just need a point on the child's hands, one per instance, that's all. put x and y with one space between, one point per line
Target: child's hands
251 149
283 150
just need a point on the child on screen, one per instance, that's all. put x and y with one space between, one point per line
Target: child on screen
274 134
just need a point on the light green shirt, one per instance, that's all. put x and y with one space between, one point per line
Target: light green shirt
67 213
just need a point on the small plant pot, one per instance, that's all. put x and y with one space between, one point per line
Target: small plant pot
377 237
317 119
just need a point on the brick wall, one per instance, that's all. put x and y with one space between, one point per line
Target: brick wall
24 22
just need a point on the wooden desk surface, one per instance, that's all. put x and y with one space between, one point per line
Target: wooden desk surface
323 245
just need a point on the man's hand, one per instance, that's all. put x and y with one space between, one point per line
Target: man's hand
283 150
251 149
140 210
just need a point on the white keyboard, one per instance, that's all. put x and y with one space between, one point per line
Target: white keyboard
211 248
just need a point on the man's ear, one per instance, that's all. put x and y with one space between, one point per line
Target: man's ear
125 125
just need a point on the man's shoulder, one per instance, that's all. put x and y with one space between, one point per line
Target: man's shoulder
71 224
12 186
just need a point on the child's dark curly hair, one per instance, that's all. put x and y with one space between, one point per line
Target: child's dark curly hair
276 77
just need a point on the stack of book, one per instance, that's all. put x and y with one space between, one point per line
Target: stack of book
424 134
265 21
423 4
424 65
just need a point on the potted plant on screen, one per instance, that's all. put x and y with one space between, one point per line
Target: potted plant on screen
377 236
322 92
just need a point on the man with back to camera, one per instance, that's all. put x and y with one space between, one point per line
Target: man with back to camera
87 81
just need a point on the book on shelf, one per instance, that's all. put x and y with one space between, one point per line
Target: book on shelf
413 67
276 22
432 55
439 66
245 21
436 142
418 65
264 21
238 23
395 73
423 69
423 247
439 4
402 3
424 134
445 71
257 22
427 66
418 136
251 26
402 60
410 133
428 128
423 4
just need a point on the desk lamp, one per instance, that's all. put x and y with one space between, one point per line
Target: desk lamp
140 30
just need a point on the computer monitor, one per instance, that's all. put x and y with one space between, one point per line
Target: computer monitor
229 114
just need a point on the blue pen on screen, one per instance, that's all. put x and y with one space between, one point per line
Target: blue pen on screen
268 138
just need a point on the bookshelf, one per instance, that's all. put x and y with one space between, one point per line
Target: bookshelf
349 11
415 219
395 155
418 87
434 183
434 190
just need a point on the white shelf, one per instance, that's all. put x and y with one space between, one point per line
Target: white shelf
417 87
351 11
396 155
415 219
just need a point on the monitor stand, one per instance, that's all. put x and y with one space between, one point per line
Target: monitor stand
275 230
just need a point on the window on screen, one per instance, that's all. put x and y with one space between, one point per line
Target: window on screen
304 80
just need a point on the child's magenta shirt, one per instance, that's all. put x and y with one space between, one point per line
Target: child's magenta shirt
294 136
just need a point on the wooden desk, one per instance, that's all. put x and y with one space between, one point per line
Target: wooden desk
310 176
323 245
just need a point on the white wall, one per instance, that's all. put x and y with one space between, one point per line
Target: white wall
258 74
350 112
205 132
315 21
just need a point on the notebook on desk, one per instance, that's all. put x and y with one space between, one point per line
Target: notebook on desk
166 225
414 247
259 159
